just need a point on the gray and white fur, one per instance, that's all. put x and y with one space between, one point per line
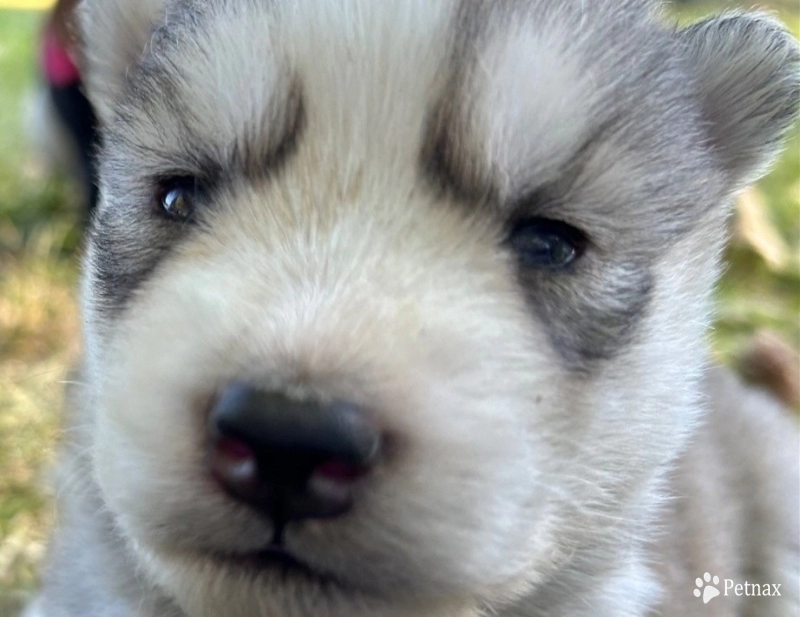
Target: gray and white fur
563 447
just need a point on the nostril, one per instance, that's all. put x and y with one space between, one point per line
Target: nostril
234 451
234 464
340 471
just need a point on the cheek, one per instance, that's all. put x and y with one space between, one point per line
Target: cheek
150 440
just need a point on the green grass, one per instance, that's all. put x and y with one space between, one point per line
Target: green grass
31 202
38 318
39 323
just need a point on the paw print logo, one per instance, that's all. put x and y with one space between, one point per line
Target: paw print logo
710 592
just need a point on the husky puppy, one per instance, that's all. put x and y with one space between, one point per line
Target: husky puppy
397 309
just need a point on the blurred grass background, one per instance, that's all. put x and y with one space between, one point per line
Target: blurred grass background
40 248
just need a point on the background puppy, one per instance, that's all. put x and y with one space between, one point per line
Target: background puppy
397 309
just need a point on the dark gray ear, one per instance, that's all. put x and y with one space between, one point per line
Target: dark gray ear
114 34
748 72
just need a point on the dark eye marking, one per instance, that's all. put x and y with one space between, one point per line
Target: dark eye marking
176 197
546 243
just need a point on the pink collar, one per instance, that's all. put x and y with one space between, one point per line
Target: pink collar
59 68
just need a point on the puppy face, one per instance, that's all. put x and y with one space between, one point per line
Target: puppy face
494 230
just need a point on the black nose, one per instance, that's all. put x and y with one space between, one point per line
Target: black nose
292 459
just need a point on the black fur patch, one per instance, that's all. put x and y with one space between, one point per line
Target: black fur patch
638 179
151 138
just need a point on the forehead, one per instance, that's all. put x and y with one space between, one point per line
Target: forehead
390 112
502 98
227 74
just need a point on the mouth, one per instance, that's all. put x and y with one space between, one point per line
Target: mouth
280 562
278 558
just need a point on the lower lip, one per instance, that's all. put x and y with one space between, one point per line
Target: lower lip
279 560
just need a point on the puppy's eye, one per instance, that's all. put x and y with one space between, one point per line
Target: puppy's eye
546 243
177 198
